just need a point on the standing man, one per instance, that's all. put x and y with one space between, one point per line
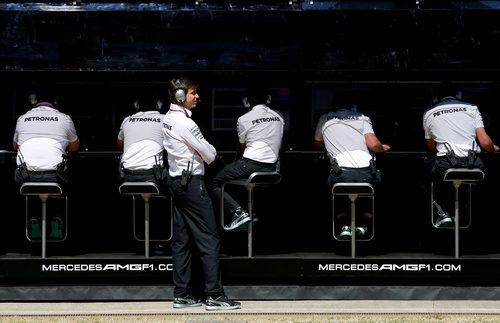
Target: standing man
194 219
451 130
141 138
42 137
348 137
260 132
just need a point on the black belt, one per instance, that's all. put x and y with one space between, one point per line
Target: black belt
44 172
259 163
138 171
192 176
354 168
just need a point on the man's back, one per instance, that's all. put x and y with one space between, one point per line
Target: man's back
261 130
455 123
42 135
343 133
143 140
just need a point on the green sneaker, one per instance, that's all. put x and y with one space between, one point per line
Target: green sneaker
34 230
56 228
445 221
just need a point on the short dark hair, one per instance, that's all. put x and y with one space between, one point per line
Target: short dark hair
257 95
180 83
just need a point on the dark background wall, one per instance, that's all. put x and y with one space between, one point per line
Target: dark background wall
391 56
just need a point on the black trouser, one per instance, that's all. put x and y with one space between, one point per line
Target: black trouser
353 175
436 167
194 224
146 175
241 168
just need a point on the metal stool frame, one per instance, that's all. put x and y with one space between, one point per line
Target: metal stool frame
44 190
150 190
353 191
255 179
459 176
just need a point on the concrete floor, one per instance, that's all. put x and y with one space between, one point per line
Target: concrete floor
254 307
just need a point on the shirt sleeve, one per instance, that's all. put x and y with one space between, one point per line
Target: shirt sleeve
367 125
242 132
72 136
427 129
193 137
478 119
318 134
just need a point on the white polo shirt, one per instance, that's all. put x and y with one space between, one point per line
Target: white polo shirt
343 133
453 122
185 143
261 129
42 134
142 137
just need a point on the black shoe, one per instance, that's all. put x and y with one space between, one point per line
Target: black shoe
221 303
160 249
187 301
240 218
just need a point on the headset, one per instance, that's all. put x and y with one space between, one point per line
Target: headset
246 102
179 92
158 105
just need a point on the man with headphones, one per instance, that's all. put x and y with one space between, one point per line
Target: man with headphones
260 133
141 138
348 137
452 128
194 220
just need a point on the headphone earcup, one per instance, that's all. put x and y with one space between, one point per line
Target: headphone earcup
180 95
245 102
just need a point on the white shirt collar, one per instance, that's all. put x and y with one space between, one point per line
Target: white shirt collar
176 107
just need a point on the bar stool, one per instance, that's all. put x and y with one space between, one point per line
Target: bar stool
459 176
146 190
255 179
44 190
353 191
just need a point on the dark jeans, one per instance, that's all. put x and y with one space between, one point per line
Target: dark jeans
241 168
36 177
194 226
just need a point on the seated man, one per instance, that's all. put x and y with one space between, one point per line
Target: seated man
42 137
348 136
141 138
260 132
451 129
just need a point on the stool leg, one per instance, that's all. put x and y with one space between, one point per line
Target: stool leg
44 225
146 226
457 224
250 224
353 197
